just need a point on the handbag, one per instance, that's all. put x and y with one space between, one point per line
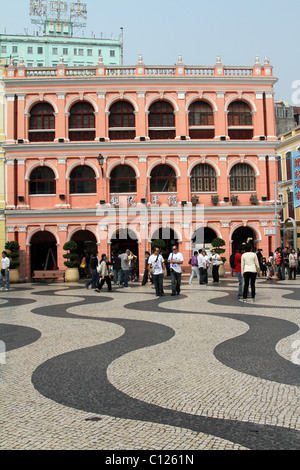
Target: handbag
219 262
152 267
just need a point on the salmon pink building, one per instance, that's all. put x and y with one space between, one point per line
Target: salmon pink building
114 157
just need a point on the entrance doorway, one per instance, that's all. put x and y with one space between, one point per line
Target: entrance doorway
125 239
168 235
43 251
86 242
202 238
241 235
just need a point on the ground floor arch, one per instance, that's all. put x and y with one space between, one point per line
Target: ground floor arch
43 251
240 235
167 234
86 242
202 238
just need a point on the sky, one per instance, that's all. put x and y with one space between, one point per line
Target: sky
160 30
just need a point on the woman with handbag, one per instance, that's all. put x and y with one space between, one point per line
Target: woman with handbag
249 268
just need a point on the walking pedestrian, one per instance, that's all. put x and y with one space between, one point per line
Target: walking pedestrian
195 269
277 262
95 276
293 264
156 266
132 267
5 264
104 275
175 261
285 262
237 270
203 265
82 267
116 263
146 272
270 266
125 268
249 268
263 267
215 264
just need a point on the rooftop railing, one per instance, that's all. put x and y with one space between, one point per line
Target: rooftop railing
19 70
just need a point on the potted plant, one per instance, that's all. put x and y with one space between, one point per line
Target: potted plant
13 253
72 263
234 199
216 244
215 199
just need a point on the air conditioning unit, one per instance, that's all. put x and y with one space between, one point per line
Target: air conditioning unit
101 139
142 139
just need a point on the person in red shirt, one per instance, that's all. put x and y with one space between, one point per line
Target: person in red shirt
237 270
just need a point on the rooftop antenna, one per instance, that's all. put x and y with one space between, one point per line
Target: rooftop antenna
122 48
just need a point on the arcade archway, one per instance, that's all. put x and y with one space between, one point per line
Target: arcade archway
202 238
43 251
86 242
241 235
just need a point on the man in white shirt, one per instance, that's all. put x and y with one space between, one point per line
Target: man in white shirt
157 262
175 260
5 263
203 262
215 259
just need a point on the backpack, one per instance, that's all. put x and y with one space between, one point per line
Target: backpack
232 261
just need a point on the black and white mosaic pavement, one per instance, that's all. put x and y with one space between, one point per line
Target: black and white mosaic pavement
127 370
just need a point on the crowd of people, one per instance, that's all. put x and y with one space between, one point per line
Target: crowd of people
247 264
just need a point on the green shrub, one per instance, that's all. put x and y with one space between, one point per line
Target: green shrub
13 249
71 256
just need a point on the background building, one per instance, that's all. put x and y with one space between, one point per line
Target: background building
289 216
110 157
56 38
2 160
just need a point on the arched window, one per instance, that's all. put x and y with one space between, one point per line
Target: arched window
82 180
163 179
41 123
161 121
82 122
201 121
203 178
42 181
123 179
239 121
242 178
121 121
